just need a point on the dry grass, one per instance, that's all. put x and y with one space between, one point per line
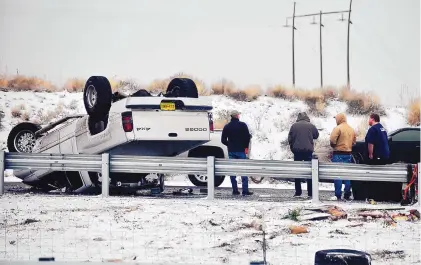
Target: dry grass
74 85
24 83
360 103
223 87
317 99
219 124
414 112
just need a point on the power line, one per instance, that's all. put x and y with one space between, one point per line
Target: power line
320 38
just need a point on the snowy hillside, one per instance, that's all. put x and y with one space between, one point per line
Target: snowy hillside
269 119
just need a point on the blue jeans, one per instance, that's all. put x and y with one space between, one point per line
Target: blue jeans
244 179
342 158
303 156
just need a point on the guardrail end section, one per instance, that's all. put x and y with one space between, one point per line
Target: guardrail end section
2 169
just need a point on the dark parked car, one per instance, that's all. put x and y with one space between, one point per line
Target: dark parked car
404 147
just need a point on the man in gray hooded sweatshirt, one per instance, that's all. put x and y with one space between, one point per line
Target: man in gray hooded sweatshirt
300 139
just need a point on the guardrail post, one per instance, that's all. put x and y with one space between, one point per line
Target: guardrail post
105 175
2 168
211 177
315 180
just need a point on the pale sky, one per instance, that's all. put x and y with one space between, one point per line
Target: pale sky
241 40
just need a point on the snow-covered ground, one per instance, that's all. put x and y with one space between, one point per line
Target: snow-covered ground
171 231
191 231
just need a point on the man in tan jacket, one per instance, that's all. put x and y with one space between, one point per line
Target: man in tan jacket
342 139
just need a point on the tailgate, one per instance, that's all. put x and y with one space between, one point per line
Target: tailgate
170 119
170 125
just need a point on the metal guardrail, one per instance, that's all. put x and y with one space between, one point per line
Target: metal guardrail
107 164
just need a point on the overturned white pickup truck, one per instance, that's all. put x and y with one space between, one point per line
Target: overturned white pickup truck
139 124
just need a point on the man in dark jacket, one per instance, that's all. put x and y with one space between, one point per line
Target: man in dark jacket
236 137
300 139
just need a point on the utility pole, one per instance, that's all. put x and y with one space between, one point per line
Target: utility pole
321 53
347 48
321 25
293 47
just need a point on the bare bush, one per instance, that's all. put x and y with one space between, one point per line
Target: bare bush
2 115
25 116
17 111
73 104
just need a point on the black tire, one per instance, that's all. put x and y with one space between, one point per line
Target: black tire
202 153
26 132
341 257
97 96
182 87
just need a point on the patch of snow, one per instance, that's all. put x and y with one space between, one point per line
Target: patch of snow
171 231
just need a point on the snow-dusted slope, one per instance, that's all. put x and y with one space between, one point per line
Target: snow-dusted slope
269 119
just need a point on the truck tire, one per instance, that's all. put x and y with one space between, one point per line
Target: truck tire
201 180
22 138
341 257
97 96
182 87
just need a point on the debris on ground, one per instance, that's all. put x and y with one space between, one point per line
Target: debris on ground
30 221
372 214
298 230
212 223
332 212
387 254
185 191
338 231
371 201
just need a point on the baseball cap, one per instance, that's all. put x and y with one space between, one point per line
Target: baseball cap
235 113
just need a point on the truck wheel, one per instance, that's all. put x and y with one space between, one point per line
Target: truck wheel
97 96
22 138
202 180
182 87
341 257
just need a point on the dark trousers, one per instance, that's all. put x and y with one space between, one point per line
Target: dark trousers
379 190
303 156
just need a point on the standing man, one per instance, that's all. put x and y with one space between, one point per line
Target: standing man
300 139
342 139
236 137
377 142
378 153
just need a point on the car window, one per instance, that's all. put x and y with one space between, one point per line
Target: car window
407 136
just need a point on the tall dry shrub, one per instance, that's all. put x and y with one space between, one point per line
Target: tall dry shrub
360 103
223 87
74 85
24 83
414 113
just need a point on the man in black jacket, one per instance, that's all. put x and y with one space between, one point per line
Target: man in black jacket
236 137
300 139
